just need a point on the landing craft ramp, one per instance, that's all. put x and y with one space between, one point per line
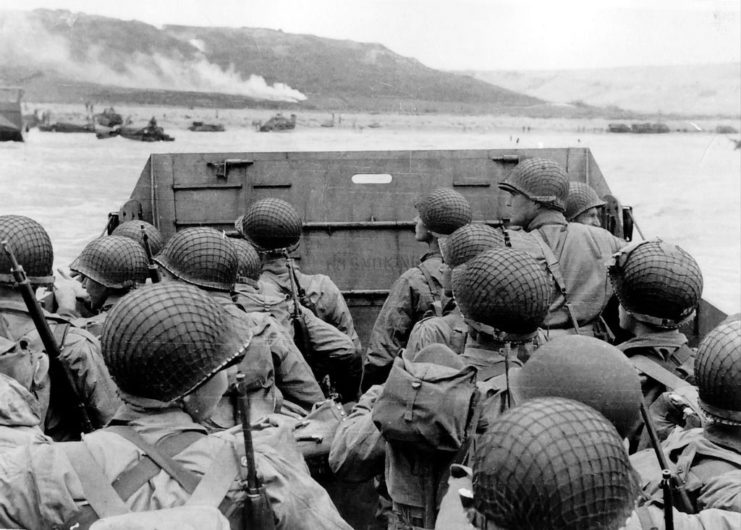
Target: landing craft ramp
357 206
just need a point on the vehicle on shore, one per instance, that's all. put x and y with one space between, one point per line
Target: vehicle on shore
142 134
199 126
67 127
278 123
12 127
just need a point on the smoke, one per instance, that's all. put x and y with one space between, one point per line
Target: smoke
27 43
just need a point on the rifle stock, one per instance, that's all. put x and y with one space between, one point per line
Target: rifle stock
46 335
257 513
154 272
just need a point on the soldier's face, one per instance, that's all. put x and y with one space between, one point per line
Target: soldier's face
201 403
521 209
97 292
590 217
420 231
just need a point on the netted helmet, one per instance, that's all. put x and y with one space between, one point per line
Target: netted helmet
133 230
658 283
32 248
202 256
469 241
587 370
718 373
540 180
272 224
503 288
163 341
581 198
250 265
553 463
115 262
443 210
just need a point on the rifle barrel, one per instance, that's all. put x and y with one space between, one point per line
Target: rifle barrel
244 407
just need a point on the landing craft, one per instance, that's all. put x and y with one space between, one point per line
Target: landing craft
357 209
278 123
12 127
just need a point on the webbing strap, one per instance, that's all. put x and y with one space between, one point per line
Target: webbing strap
437 304
98 491
215 484
187 480
657 372
129 482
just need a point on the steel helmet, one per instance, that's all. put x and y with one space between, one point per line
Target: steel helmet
133 230
540 180
553 463
115 262
250 265
503 288
31 246
272 224
718 373
658 283
581 198
443 210
163 341
202 256
469 241
584 369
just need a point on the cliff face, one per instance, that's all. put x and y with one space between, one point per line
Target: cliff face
59 55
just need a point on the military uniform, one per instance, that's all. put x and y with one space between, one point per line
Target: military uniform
20 416
450 329
410 298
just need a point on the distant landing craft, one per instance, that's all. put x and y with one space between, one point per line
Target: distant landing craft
11 119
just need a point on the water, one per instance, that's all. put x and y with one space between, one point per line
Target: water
683 187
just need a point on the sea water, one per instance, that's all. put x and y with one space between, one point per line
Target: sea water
683 187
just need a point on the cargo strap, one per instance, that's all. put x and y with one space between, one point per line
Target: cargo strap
437 304
655 371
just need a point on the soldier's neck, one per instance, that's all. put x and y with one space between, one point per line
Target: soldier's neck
639 329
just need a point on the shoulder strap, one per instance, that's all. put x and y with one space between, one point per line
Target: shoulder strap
551 261
436 301
657 372
60 333
95 485
187 480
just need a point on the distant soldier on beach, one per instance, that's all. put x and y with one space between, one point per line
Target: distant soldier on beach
419 291
537 191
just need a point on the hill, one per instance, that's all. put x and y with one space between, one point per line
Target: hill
701 90
58 55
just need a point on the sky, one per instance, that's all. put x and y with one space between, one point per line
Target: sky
472 34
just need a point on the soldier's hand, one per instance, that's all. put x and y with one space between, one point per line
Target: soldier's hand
67 291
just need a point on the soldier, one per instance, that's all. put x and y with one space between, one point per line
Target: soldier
418 291
707 459
166 347
274 227
659 286
331 352
552 463
133 230
80 351
205 258
575 253
583 204
110 267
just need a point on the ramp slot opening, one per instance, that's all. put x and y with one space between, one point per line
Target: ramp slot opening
372 178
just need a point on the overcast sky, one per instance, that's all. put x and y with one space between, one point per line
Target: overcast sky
472 34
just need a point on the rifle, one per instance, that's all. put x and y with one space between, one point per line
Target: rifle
257 513
47 337
670 481
154 272
300 331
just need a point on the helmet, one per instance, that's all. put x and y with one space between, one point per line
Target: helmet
115 262
584 369
469 241
657 282
272 224
503 288
250 265
32 248
540 180
201 256
133 230
163 341
581 198
553 463
444 210
718 373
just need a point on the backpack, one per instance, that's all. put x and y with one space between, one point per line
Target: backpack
426 405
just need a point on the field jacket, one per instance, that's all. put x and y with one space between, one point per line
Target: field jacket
20 419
